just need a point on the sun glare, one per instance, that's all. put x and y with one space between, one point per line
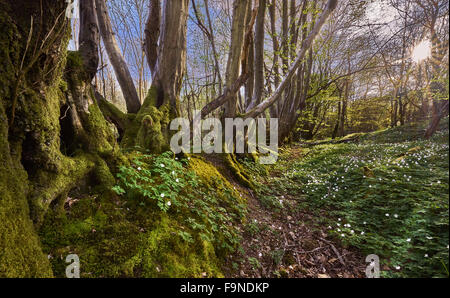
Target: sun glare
422 51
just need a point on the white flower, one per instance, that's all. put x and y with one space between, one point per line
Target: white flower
397 267
362 233
139 169
338 224
364 223
342 235
162 165
426 255
260 255
173 172
387 214
353 232
408 240
429 238
169 203
339 219
396 215
163 195
177 180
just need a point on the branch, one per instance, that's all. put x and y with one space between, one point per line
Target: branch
226 96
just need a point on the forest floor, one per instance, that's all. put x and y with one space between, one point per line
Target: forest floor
324 207
316 213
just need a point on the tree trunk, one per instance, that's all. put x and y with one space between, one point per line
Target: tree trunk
248 60
258 67
152 32
234 57
39 115
118 62
276 56
89 38
344 109
336 127
171 60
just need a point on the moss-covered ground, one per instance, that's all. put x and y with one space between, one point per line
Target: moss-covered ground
167 216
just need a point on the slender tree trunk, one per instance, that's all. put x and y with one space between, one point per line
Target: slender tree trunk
248 60
344 109
276 55
336 127
117 60
259 56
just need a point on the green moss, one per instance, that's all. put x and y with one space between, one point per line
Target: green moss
112 243
55 184
149 130
101 137
150 135
238 171
97 231
20 254
165 254
115 236
115 115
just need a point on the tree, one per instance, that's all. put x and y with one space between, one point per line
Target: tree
52 133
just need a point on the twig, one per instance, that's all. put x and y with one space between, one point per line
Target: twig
65 114
335 250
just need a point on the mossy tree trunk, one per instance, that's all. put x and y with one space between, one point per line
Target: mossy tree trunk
41 111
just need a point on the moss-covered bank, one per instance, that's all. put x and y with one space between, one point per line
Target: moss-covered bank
128 235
